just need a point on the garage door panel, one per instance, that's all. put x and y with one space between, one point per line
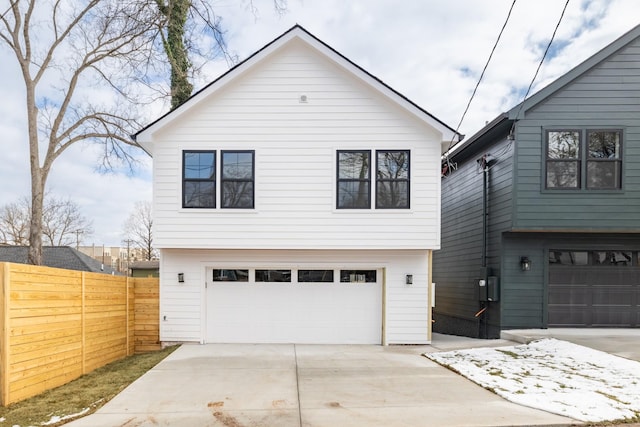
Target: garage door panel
607 316
568 295
595 295
563 275
568 316
621 296
294 312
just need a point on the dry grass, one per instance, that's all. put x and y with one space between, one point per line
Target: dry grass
87 393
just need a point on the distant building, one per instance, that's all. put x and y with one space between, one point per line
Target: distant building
118 258
145 268
58 257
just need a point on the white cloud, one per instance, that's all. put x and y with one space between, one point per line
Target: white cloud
430 51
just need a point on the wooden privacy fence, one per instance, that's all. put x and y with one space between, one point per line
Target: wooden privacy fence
57 325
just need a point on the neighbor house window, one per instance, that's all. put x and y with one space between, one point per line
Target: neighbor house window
604 163
199 179
600 151
392 179
354 180
563 159
237 179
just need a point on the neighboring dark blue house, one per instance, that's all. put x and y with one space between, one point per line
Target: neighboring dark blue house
58 257
541 208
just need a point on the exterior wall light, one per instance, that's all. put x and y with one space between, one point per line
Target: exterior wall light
180 277
409 279
525 263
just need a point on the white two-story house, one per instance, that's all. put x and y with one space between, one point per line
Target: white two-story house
296 200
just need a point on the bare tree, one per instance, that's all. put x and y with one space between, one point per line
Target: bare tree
79 45
62 223
138 230
14 223
181 24
95 50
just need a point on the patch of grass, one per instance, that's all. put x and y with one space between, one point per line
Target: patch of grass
87 393
509 353
496 372
612 397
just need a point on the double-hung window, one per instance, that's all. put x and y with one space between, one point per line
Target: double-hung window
237 187
604 162
392 179
199 179
200 186
577 159
354 179
354 187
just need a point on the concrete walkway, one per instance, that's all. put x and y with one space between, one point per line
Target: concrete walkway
237 385
621 342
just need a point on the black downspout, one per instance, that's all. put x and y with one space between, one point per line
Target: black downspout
485 213
484 305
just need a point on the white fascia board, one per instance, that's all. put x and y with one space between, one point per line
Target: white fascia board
145 137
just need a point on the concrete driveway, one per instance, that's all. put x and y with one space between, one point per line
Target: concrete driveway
307 385
621 342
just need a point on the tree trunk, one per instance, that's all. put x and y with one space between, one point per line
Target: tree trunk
176 14
38 178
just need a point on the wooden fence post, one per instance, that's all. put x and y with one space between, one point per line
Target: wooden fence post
5 283
126 296
83 317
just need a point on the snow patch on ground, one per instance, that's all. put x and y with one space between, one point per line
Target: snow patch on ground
56 418
554 376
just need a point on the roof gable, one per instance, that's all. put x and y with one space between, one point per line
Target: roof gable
145 136
520 110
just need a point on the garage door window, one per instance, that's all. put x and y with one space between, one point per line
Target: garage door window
273 275
225 275
597 258
614 258
317 276
568 257
358 276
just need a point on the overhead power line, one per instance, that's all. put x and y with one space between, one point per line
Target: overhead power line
540 64
447 166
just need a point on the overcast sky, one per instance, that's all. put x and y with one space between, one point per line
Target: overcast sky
431 51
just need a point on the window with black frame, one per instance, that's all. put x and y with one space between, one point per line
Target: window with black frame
392 179
315 276
237 179
354 179
563 159
199 179
583 159
604 161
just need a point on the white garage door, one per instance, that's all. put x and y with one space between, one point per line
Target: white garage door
318 306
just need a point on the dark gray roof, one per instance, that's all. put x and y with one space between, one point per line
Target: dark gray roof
56 256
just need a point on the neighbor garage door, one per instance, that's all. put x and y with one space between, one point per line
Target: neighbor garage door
594 289
317 306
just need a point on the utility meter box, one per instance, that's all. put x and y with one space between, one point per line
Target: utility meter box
493 288
482 284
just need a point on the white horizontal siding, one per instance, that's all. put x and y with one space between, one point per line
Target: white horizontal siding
295 145
406 316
